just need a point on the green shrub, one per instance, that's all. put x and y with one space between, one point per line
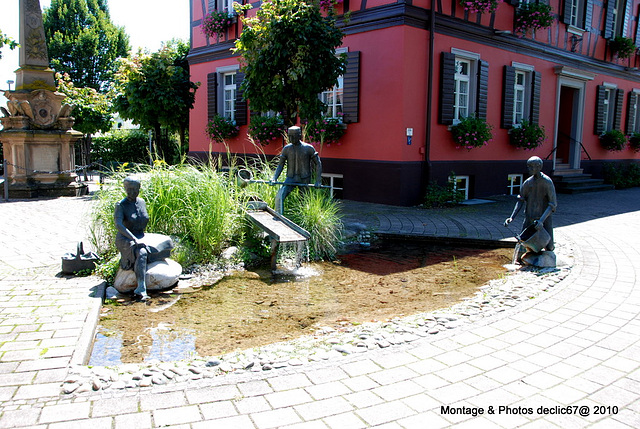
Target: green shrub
443 196
622 175
121 146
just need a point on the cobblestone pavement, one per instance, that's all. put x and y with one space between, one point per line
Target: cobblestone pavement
578 345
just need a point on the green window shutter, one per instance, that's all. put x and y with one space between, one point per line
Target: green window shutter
599 126
508 94
483 89
609 22
566 12
536 83
447 88
212 95
241 103
638 32
617 117
588 15
351 81
633 98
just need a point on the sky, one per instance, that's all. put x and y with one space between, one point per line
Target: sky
147 22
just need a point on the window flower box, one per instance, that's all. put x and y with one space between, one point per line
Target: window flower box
471 132
325 130
220 129
533 16
265 129
480 6
622 47
634 142
613 140
527 135
217 22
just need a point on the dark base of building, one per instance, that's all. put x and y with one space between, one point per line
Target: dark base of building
393 183
405 183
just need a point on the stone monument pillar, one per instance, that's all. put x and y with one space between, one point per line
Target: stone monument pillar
38 139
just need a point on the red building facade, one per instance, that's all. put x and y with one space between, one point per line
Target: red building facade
416 67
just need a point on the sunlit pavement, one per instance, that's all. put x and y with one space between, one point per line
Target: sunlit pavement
570 358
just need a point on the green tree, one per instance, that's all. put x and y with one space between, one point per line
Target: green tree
83 42
92 111
289 57
6 40
155 91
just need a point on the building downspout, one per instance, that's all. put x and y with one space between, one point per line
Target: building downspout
429 113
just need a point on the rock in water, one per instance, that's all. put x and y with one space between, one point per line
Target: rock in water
160 275
546 259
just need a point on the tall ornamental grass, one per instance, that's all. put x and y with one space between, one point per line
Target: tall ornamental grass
318 213
204 210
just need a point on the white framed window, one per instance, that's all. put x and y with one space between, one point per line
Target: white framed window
465 83
514 183
577 10
333 99
226 5
462 77
461 185
335 181
229 95
520 96
609 106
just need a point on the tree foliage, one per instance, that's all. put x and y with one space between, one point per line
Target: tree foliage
6 40
155 91
83 42
92 109
289 57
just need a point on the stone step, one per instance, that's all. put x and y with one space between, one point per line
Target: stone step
567 171
571 178
580 190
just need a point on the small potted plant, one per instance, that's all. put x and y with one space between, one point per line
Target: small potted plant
634 141
527 135
216 23
533 16
325 130
613 140
480 6
329 4
265 129
471 132
622 47
220 128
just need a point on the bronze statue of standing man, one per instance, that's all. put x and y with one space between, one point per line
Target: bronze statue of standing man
302 162
538 196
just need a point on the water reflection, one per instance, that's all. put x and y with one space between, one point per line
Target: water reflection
162 344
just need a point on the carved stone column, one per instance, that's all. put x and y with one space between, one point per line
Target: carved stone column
37 138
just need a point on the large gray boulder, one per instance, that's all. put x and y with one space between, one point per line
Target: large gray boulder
160 275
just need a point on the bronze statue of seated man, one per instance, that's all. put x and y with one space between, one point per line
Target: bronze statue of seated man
137 249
